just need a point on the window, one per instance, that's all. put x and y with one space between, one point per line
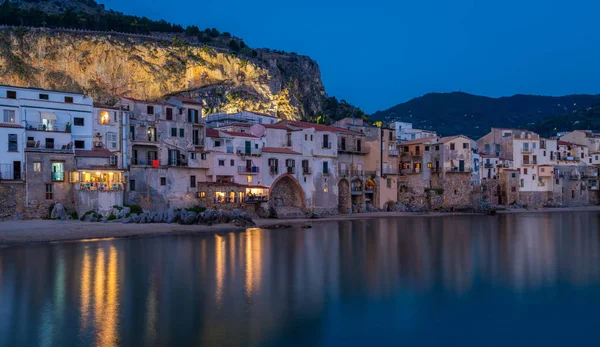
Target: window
9 116
58 173
274 165
525 171
522 183
217 143
150 109
311 137
513 189
192 181
49 195
77 121
465 145
12 143
69 99
390 136
326 168
389 181
437 148
557 181
452 146
231 162
221 162
533 177
305 167
163 181
44 97
37 166
427 148
326 143
305 137
104 117
193 155
132 185
202 194
79 144
181 133
11 94
514 175
202 156
249 179
169 113
429 165
173 131
111 140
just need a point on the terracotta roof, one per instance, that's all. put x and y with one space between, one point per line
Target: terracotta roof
188 100
565 143
451 138
9 125
317 127
95 153
212 133
276 126
417 141
147 102
238 134
279 150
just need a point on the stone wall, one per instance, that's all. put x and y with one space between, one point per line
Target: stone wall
344 198
152 196
97 201
535 199
12 200
457 189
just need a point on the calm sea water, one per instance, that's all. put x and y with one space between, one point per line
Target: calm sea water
513 280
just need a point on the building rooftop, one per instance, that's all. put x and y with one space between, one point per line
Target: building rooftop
238 134
452 138
417 141
10 125
188 100
95 153
279 150
317 127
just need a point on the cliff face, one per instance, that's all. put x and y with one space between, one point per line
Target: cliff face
106 67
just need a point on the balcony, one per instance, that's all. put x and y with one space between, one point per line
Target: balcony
326 145
37 146
352 149
459 170
412 154
256 199
393 152
290 170
58 176
390 171
306 171
248 151
56 127
273 170
250 170
145 162
7 173
357 191
525 150
410 171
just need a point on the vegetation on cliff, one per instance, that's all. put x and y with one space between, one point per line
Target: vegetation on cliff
586 119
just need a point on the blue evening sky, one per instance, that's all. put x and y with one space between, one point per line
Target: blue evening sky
376 54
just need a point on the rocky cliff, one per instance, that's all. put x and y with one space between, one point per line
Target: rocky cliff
107 66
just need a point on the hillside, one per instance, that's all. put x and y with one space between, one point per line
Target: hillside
473 115
84 47
586 119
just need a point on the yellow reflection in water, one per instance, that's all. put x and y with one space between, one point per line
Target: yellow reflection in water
219 267
106 298
253 260
85 295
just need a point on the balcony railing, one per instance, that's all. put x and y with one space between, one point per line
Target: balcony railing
144 162
390 171
393 153
412 154
58 176
525 150
37 146
306 171
457 169
256 199
57 127
273 170
326 145
352 149
248 151
356 191
410 171
291 170
252 170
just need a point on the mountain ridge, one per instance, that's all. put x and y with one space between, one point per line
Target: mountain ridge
473 115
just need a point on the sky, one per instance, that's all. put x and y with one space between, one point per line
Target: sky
376 54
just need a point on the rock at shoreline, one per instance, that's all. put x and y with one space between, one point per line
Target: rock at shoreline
58 212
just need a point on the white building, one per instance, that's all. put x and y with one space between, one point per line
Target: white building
217 120
406 132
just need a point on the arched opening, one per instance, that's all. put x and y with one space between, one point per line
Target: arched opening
344 198
370 191
358 197
286 199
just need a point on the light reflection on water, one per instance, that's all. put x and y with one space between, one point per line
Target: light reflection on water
348 282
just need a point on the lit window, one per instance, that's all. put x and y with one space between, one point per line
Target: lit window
249 179
37 166
58 173
9 116
104 117
429 165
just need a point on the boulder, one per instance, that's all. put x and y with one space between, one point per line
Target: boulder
157 217
187 218
172 216
58 212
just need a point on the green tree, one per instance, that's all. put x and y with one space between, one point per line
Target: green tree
234 46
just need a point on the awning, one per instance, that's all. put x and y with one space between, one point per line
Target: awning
48 115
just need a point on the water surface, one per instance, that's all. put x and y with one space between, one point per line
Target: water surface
511 280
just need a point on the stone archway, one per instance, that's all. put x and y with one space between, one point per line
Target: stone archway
344 197
370 191
286 198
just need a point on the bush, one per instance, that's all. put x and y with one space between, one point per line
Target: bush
74 215
135 208
119 208
111 217
197 209
85 214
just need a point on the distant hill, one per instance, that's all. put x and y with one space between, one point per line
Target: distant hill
586 119
474 115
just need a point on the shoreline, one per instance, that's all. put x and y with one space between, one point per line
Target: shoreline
17 233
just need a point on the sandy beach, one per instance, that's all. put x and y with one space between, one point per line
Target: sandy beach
35 231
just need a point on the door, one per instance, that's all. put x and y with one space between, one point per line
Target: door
499 194
461 166
134 160
248 147
16 170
